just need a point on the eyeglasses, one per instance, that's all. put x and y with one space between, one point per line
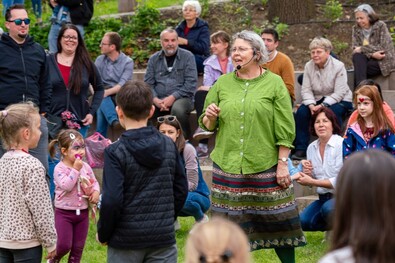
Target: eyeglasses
18 22
70 38
170 118
240 49
105 44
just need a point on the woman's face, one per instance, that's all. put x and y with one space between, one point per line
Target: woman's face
169 131
242 53
319 56
362 19
323 126
189 13
219 48
365 106
69 41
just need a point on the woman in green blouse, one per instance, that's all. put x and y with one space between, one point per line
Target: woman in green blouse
251 112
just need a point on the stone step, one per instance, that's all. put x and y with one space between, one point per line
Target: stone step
304 201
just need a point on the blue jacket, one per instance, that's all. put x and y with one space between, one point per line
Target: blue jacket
180 81
198 37
144 187
354 141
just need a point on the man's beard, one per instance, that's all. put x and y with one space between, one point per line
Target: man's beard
170 52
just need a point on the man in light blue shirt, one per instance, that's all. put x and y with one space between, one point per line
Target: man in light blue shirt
115 70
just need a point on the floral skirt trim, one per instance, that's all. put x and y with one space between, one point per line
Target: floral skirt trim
267 213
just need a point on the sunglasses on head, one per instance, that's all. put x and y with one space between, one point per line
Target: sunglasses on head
18 22
170 118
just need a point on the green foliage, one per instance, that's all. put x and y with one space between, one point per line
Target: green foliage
339 47
281 28
333 10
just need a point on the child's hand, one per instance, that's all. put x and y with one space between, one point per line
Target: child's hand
295 176
94 197
51 254
307 167
78 163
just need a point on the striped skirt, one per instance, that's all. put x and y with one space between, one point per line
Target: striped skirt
266 212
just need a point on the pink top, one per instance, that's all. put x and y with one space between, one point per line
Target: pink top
66 190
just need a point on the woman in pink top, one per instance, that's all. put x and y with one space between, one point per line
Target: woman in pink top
75 187
387 109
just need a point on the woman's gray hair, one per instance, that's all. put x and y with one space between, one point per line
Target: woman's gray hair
367 9
256 43
321 42
195 4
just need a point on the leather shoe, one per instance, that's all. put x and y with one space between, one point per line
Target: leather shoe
116 124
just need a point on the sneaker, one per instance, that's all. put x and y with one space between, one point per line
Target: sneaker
177 225
201 153
299 155
201 134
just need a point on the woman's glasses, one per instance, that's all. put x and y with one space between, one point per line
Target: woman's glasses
70 38
169 118
18 22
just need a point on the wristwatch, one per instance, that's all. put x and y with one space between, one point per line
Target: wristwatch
284 159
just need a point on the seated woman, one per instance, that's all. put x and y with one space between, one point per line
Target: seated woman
198 201
373 50
193 33
324 85
325 161
217 64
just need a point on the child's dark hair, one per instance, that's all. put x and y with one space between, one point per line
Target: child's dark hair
14 118
135 99
64 140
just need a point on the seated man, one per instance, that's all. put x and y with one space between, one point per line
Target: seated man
115 69
172 75
324 85
278 62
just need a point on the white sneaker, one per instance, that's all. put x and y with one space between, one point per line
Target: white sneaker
201 134
177 225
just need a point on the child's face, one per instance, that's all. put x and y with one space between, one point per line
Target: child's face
77 147
35 131
169 131
365 106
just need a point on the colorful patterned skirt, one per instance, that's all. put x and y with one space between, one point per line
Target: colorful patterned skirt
267 213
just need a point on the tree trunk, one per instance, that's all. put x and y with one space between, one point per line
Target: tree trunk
126 6
291 11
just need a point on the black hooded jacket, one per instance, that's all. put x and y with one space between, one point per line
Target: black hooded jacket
24 74
144 188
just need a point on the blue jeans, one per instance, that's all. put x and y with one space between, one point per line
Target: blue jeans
27 255
106 115
37 8
317 216
195 205
8 3
53 36
302 121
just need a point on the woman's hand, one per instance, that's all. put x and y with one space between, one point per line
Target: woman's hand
282 174
379 55
307 167
182 41
306 180
212 112
87 120
357 50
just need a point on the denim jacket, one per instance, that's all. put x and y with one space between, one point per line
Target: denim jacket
180 81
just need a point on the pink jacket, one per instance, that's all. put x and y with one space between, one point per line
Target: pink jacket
66 190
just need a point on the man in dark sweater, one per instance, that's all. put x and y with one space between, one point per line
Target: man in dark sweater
144 185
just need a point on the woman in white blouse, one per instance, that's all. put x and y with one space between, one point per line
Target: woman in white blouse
324 161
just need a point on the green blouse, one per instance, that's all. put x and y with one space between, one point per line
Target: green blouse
255 118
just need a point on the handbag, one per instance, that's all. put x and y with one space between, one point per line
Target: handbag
94 147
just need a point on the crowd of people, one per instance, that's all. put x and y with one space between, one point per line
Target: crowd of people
152 173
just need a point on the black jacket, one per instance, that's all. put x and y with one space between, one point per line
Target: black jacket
24 74
81 11
144 188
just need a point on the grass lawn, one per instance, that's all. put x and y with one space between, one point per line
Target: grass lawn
314 250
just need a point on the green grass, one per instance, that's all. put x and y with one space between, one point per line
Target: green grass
314 250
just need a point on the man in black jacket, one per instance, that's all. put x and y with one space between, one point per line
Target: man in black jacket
24 74
144 185
79 12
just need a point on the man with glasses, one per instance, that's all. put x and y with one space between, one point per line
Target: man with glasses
172 75
24 74
115 69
